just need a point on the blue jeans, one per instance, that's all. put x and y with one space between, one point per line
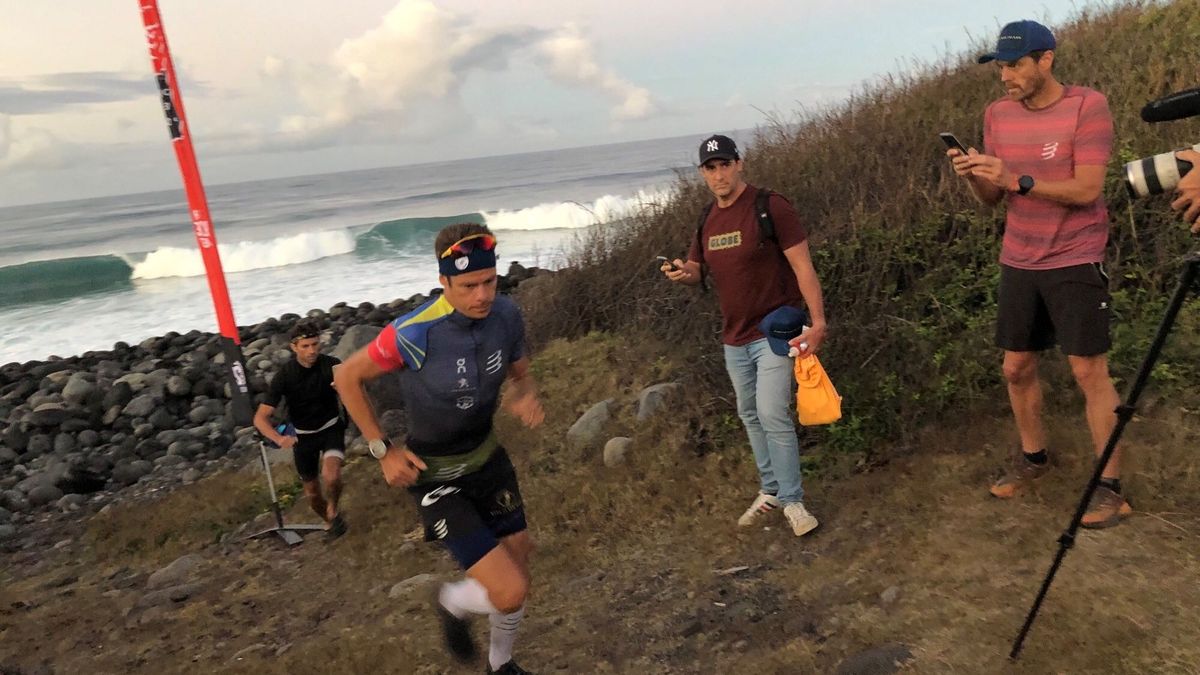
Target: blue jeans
763 382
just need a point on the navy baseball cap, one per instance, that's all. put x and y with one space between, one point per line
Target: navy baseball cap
718 147
782 325
1018 39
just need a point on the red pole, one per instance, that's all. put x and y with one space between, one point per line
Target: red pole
172 103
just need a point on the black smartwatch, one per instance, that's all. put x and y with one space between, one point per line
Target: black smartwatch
1024 184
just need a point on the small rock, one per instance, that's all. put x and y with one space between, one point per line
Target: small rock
252 649
889 596
615 450
178 571
652 398
44 494
409 585
7 532
71 502
881 660
586 430
167 596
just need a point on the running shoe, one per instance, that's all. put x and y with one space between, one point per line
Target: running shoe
762 505
800 519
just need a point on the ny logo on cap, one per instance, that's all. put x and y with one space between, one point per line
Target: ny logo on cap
712 146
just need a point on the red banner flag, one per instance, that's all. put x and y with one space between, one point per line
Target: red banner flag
206 238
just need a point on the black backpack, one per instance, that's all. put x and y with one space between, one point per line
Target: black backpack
766 227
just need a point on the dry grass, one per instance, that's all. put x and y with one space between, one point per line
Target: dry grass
150 531
626 575
906 258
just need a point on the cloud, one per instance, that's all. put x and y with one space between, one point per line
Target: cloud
51 93
413 66
570 60
33 149
54 92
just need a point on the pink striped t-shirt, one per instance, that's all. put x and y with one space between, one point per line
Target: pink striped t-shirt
1048 144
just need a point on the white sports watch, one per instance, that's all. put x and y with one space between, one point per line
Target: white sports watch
377 447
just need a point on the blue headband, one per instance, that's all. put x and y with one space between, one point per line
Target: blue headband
477 259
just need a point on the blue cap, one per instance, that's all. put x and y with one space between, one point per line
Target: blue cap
782 325
1018 39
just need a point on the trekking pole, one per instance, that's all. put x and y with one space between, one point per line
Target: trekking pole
262 449
290 534
1124 414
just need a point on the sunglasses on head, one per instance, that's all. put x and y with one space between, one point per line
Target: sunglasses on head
464 246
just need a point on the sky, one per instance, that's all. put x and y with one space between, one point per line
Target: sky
277 88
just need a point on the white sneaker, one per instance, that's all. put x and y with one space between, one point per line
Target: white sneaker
763 504
801 520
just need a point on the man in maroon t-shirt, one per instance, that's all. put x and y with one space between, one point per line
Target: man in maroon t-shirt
755 275
1046 146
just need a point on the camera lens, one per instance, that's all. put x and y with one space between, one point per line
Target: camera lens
1155 175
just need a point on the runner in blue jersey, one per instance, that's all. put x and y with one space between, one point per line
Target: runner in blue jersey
452 356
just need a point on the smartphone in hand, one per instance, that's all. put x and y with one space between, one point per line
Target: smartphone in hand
664 260
952 141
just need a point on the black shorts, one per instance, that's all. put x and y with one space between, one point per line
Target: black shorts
310 448
472 513
1070 306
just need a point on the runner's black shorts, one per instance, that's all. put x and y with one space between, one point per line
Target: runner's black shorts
1069 306
311 448
472 513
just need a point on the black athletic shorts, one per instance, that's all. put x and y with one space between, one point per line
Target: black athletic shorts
472 513
1070 306
310 448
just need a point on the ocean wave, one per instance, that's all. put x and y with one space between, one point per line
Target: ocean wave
574 215
407 234
173 261
65 278
51 280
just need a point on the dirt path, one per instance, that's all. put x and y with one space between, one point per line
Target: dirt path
640 569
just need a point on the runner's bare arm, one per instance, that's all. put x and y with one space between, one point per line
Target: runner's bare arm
262 422
349 380
400 466
521 399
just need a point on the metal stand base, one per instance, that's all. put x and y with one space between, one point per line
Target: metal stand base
290 534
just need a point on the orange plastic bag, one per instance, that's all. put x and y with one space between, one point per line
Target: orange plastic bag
817 402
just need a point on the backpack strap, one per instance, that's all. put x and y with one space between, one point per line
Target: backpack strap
700 242
700 230
762 209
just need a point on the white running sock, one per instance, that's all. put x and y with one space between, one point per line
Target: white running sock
465 597
504 633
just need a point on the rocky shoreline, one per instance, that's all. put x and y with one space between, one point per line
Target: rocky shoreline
86 430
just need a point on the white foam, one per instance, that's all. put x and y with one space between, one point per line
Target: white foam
171 261
574 215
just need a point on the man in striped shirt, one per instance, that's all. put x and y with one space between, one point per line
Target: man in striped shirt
1046 145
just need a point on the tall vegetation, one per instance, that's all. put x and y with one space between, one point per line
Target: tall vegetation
907 259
